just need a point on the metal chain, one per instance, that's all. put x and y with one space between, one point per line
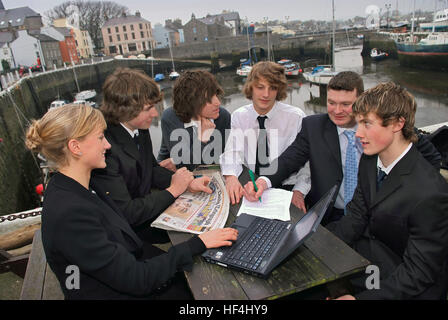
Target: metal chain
19 216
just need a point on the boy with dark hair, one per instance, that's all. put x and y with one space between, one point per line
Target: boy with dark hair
193 130
398 218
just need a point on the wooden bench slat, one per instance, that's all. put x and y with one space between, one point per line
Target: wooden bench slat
32 287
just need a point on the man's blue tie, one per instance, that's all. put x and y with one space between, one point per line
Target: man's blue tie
351 168
380 177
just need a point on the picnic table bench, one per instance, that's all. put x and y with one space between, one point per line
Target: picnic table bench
40 283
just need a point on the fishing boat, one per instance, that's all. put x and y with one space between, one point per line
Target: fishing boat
174 75
430 52
378 55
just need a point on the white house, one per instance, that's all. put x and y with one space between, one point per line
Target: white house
26 49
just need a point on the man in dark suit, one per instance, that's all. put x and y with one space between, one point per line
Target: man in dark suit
398 218
324 141
132 171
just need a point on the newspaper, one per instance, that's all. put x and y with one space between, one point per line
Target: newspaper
197 212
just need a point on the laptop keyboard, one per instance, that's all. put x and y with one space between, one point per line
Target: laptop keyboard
253 248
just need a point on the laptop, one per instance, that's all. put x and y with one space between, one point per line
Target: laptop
263 244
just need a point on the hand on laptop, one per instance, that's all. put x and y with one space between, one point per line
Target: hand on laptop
249 190
219 237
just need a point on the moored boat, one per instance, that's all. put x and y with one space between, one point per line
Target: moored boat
378 55
430 52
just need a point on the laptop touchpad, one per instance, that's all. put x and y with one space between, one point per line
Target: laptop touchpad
243 220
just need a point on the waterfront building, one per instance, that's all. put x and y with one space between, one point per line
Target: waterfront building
176 25
165 36
23 18
206 29
32 49
67 44
128 34
83 41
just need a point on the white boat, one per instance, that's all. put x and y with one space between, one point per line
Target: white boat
378 55
291 68
174 75
244 71
320 75
57 103
85 95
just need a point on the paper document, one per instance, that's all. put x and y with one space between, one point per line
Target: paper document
274 205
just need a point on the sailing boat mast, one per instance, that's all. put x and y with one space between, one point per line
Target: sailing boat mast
334 41
171 53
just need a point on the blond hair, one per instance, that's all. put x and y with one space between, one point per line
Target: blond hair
389 102
50 134
272 73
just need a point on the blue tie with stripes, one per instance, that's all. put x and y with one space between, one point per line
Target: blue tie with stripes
351 168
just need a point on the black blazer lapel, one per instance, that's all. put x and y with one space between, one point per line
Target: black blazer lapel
394 179
332 139
123 138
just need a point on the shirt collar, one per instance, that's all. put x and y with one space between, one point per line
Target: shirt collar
392 165
132 133
269 115
341 130
194 123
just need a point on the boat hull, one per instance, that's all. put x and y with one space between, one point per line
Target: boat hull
423 56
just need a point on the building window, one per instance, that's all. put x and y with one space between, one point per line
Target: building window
141 26
194 30
125 36
118 37
110 39
132 27
116 29
133 35
124 28
108 30
142 34
132 47
144 45
113 49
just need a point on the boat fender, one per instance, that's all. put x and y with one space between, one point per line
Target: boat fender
40 189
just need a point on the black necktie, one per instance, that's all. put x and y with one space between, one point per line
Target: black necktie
137 141
380 177
262 155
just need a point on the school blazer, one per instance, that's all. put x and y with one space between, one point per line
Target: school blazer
318 143
402 228
130 175
87 230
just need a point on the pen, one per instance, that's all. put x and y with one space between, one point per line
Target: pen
252 177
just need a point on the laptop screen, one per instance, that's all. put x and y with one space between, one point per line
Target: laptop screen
308 224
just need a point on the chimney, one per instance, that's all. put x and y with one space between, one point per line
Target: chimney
137 14
2 7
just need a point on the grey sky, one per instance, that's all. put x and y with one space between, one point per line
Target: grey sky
159 10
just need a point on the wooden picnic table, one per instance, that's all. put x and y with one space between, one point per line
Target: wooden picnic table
323 259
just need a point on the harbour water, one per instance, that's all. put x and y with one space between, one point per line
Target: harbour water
430 89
